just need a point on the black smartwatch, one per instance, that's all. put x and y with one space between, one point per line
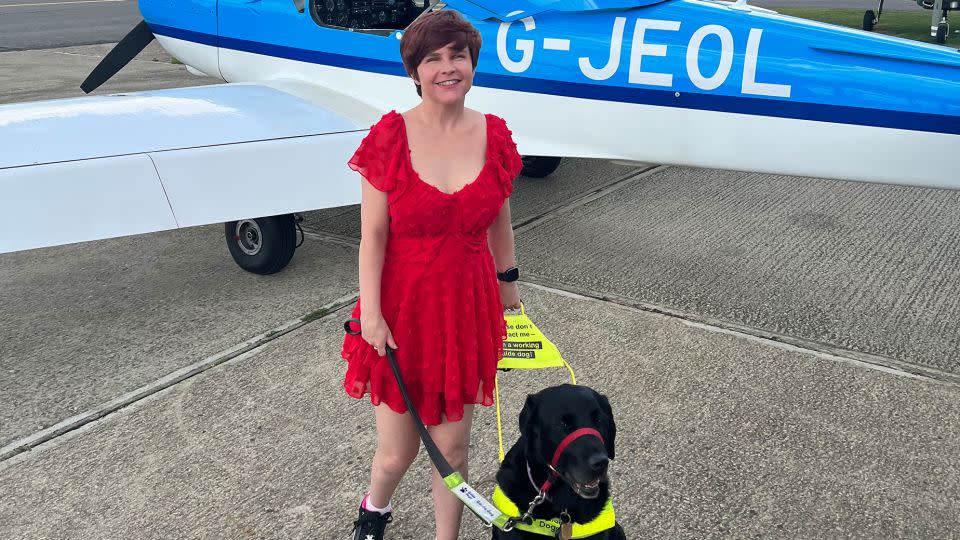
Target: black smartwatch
509 275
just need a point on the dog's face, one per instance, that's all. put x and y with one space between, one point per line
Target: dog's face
551 414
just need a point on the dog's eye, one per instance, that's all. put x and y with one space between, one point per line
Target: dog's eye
566 423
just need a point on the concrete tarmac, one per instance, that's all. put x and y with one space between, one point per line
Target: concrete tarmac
781 356
57 73
718 437
45 24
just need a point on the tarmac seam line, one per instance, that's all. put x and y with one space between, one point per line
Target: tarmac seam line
56 50
104 410
92 424
617 184
773 339
331 238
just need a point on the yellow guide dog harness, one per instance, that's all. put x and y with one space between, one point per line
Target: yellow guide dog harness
527 348
552 527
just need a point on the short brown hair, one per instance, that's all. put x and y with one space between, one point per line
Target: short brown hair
434 31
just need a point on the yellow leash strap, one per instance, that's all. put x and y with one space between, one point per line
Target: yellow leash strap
496 392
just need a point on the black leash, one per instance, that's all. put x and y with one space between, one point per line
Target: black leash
489 513
436 456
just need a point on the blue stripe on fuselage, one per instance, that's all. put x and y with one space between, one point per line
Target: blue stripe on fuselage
186 35
935 123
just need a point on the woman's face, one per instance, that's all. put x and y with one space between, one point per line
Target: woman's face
446 75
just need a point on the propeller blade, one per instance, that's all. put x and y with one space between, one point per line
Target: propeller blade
125 51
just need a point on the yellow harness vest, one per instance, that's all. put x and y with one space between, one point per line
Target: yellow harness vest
550 527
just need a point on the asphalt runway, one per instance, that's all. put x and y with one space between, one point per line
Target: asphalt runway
45 24
781 353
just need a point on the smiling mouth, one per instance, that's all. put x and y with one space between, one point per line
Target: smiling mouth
587 490
448 83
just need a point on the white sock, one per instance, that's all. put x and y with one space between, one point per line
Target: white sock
369 506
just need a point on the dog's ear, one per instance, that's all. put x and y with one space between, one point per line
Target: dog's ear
528 413
610 427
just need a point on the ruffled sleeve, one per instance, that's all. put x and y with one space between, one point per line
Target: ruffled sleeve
508 161
379 157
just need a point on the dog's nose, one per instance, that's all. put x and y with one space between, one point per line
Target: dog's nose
598 463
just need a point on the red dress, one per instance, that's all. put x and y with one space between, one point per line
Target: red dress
439 291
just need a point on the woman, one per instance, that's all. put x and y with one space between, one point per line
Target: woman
435 229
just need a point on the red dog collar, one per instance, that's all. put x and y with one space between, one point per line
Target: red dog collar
582 432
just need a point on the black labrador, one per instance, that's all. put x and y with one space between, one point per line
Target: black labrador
581 487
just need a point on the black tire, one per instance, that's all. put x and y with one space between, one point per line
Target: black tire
539 166
868 20
942 30
263 245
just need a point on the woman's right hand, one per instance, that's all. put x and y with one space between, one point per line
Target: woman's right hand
375 332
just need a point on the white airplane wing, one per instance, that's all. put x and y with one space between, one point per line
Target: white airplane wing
89 168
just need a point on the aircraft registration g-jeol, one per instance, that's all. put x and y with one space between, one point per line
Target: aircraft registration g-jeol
686 82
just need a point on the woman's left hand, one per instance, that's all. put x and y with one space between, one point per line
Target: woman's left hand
510 295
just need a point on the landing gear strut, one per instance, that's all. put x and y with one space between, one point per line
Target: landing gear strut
939 27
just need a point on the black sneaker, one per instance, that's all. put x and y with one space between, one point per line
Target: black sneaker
370 525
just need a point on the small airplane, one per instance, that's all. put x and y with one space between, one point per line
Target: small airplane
686 82
939 27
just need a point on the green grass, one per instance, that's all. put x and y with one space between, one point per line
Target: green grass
176 61
913 25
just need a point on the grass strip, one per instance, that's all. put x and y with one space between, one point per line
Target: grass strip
913 25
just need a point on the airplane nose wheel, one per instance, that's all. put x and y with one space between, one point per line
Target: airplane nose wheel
943 29
263 245
539 166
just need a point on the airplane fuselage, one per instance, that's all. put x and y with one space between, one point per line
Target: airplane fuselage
681 81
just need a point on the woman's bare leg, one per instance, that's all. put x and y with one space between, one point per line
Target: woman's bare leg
453 439
397 447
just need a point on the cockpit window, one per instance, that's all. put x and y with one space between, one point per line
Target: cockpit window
376 16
